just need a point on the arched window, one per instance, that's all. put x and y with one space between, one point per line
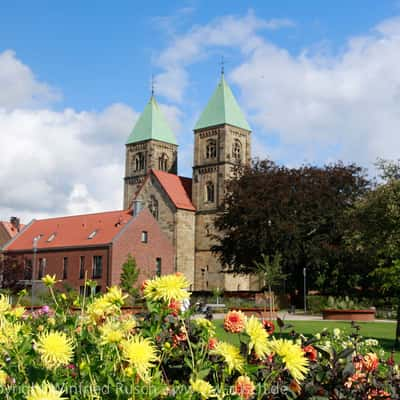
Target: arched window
153 206
163 162
211 149
237 150
139 162
210 192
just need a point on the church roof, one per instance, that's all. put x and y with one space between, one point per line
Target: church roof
222 108
178 189
72 231
152 125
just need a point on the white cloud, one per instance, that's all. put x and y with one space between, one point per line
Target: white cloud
57 162
315 106
346 106
227 31
19 86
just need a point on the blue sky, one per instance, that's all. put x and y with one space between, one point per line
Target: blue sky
317 80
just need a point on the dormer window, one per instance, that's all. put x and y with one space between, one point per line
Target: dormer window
211 149
92 234
51 237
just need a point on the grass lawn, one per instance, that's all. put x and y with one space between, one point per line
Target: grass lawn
382 331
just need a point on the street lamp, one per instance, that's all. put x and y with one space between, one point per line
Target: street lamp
34 245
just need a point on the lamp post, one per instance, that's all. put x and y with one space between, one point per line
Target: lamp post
305 289
34 245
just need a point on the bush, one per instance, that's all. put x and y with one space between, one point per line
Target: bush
317 303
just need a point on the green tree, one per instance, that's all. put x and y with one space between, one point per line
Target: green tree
129 277
388 277
297 212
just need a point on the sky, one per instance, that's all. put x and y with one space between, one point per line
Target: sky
318 82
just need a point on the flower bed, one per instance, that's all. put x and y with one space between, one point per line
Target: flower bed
99 352
349 315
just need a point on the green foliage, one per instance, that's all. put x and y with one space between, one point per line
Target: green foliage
316 304
346 303
300 213
129 277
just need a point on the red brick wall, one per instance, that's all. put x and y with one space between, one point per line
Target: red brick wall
158 245
127 241
54 264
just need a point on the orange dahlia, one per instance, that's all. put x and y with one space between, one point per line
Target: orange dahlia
311 352
370 362
234 321
244 387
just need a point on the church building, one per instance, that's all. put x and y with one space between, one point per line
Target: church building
185 207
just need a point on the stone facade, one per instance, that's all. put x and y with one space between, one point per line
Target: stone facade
142 156
178 224
216 152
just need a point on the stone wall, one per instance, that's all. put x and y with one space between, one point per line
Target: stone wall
185 226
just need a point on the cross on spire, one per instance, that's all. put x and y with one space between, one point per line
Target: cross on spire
152 85
222 65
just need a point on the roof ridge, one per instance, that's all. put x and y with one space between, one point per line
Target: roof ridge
82 215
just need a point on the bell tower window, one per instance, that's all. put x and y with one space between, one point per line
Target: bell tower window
210 192
211 149
139 162
163 162
237 150
153 207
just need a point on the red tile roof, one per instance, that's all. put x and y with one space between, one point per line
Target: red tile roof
72 231
178 189
10 229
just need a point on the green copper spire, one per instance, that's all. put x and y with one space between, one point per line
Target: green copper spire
222 109
152 125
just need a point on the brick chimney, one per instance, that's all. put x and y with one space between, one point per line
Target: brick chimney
15 222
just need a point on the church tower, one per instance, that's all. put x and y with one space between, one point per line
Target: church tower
151 145
221 140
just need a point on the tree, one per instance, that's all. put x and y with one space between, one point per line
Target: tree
297 212
129 277
12 271
271 273
376 235
388 278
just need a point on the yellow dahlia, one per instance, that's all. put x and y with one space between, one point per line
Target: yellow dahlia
167 288
203 388
3 377
244 387
49 281
234 321
100 308
5 305
18 311
55 349
293 356
140 353
230 354
9 332
45 391
258 337
115 297
110 333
